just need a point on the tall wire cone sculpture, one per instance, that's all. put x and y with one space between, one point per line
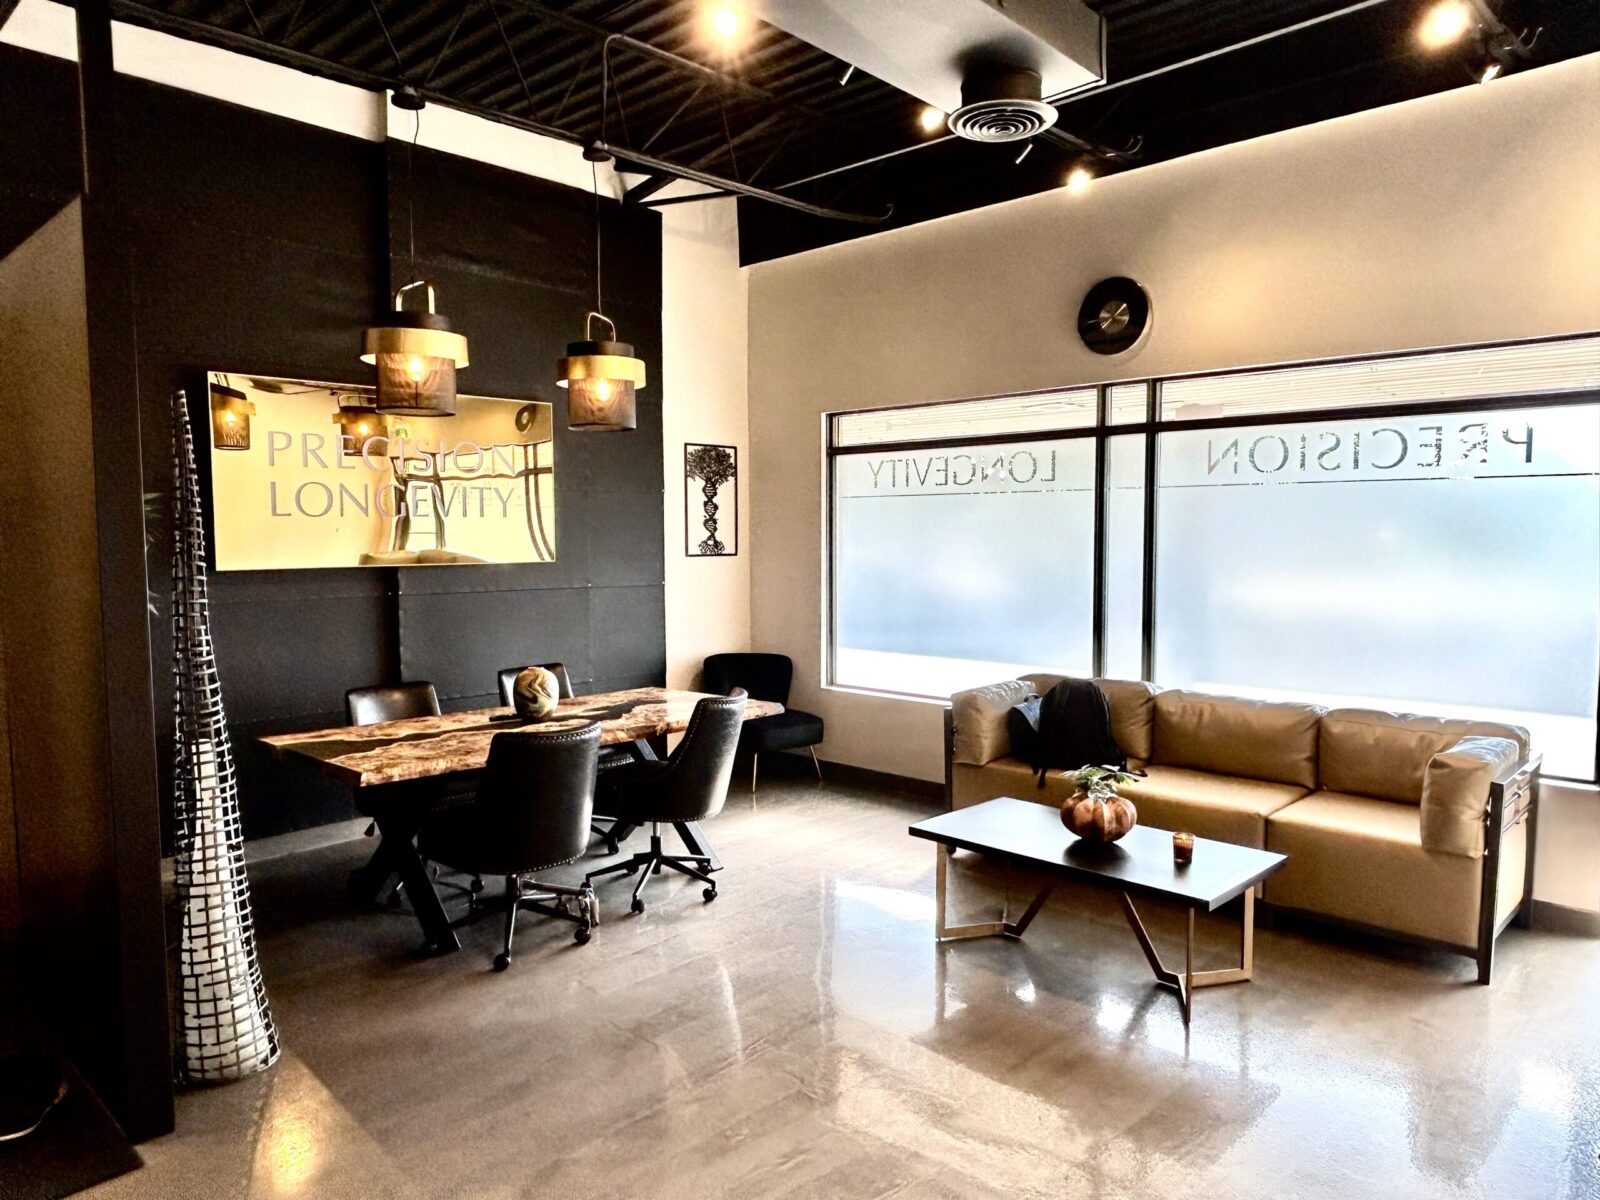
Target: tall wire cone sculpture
226 1028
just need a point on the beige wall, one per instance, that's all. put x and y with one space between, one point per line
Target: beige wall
1468 216
704 334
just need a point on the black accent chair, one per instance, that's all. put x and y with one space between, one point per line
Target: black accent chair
508 680
531 814
765 677
691 785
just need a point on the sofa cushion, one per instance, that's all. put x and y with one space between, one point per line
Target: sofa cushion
1369 753
1226 735
1006 776
1131 702
1362 859
1133 714
979 719
1455 792
1224 807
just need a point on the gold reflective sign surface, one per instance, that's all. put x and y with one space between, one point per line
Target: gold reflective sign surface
324 480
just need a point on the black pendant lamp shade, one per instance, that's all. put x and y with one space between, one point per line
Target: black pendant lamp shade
602 379
417 356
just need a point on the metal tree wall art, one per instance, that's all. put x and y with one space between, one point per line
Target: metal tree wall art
225 1026
714 468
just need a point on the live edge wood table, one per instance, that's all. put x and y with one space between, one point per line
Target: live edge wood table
384 763
1031 836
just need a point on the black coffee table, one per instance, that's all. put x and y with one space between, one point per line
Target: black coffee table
1031 835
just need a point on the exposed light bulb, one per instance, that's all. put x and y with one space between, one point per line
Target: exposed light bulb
1445 23
1078 179
930 119
602 389
229 418
414 369
726 22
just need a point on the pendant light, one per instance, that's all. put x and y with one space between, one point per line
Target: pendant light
417 356
358 423
417 353
601 377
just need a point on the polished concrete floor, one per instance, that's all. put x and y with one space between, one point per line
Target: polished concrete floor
803 1036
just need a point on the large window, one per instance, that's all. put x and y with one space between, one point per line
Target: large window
1419 533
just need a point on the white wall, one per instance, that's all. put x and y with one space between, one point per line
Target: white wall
704 334
1464 217
703 327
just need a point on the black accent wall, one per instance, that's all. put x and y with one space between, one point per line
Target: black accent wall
263 245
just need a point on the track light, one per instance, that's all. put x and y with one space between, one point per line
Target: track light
1026 150
930 119
1446 22
848 71
1078 179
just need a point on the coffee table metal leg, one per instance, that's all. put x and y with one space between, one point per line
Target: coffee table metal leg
1189 979
944 932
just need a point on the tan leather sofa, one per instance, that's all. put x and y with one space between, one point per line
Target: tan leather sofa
1419 827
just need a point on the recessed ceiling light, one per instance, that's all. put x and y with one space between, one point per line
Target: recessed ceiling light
931 119
1445 23
1078 178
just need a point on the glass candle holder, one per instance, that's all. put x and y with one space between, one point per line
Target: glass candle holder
1183 848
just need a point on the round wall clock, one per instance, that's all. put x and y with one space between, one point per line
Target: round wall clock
1114 315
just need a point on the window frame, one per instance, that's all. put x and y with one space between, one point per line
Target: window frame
1153 427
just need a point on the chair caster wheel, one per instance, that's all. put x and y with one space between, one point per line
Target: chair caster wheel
475 886
502 961
710 894
637 905
630 869
582 935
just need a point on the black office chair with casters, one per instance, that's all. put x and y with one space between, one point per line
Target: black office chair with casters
765 677
508 680
374 706
396 702
689 786
532 813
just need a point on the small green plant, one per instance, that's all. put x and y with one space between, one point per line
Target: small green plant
1101 780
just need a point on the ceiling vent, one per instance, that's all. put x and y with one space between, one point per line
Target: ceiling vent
1001 106
985 62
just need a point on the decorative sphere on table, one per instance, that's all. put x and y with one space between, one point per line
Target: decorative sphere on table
535 693
1095 812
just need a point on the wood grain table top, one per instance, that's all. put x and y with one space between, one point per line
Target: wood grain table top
420 747
1032 835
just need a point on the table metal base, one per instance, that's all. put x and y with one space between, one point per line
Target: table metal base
1183 982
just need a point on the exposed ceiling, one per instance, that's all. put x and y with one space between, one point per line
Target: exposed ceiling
774 112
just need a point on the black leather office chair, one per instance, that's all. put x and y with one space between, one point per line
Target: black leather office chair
689 786
397 702
765 677
531 814
610 756
508 680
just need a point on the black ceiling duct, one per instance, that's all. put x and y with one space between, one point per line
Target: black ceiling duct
999 105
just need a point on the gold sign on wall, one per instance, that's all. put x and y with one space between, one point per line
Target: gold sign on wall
317 477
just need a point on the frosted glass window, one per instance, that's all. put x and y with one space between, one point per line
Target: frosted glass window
1130 403
1525 369
1124 644
1448 565
995 417
958 566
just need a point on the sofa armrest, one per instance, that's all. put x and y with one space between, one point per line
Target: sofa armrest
978 721
1459 786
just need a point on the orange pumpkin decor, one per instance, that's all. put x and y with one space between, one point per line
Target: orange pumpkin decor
1095 812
